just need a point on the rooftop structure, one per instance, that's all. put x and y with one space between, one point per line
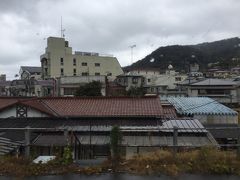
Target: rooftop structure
200 105
215 82
27 72
205 109
222 90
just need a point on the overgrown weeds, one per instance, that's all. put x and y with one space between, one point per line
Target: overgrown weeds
206 160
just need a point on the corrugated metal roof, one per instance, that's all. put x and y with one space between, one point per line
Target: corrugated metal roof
200 105
50 140
189 125
148 141
96 140
78 125
31 69
169 112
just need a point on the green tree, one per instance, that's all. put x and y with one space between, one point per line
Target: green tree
67 155
90 89
136 91
115 142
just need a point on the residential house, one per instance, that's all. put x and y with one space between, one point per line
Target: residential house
30 87
165 84
235 71
143 71
30 72
217 73
130 80
86 123
2 77
4 86
222 90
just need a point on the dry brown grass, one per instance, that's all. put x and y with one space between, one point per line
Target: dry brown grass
207 160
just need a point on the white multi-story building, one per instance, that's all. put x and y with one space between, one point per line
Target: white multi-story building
60 61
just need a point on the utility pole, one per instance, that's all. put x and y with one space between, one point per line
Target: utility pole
27 134
175 140
62 30
132 46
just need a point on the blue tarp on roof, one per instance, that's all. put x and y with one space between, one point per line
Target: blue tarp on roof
199 105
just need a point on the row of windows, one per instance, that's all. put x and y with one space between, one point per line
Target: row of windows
83 74
75 63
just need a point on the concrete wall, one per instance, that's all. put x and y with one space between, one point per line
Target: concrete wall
231 98
217 119
168 80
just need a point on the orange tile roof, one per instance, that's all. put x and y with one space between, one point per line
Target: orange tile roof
169 112
93 106
4 102
105 106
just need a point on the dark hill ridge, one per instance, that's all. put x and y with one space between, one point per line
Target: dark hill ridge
224 54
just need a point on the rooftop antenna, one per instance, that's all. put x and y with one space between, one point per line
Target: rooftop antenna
132 46
62 30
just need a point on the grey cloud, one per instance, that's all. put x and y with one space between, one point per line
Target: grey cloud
110 26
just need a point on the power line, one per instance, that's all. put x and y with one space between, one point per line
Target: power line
200 105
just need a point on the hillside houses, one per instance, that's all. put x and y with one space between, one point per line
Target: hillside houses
225 91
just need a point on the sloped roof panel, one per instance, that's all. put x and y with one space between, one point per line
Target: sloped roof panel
215 82
92 106
105 106
200 105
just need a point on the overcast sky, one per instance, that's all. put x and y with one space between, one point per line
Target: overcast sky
110 26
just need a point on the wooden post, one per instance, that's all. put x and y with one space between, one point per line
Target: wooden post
175 141
238 147
66 136
27 142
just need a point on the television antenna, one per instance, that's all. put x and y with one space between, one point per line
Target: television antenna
62 30
132 46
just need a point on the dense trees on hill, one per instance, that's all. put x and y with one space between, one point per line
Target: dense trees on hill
224 54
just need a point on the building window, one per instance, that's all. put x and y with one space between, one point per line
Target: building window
84 64
74 72
62 72
97 64
84 74
178 78
69 91
149 80
97 74
61 61
134 80
74 62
